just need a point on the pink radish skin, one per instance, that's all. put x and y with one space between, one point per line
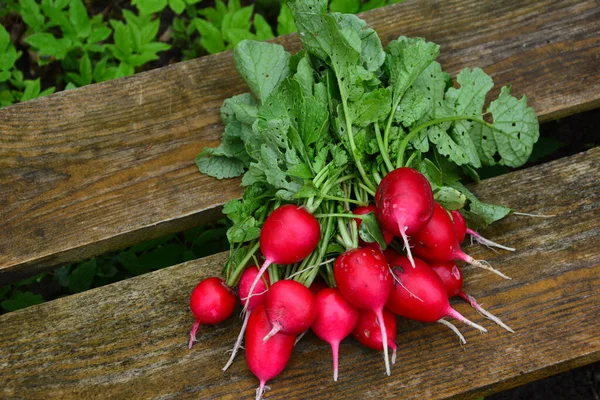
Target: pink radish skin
335 320
290 308
422 295
289 234
438 242
363 210
211 302
367 331
452 278
404 203
362 276
266 360
246 280
461 229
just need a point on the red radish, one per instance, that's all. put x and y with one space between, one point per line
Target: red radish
437 242
246 280
421 296
452 278
266 360
317 286
367 331
289 234
364 279
211 302
335 320
290 307
363 210
461 229
404 202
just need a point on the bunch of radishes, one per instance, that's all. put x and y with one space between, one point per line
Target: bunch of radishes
366 288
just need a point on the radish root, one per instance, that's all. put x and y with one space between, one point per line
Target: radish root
454 329
480 239
471 300
384 341
193 334
455 314
238 342
481 264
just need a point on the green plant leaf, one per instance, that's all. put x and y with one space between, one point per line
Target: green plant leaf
32 90
262 28
220 167
79 18
48 45
345 6
285 21
178 6
32 15
99 34
211 38
85 69
515 131
82 276
450 198
147 7
58 18
20 300
262 65
62 275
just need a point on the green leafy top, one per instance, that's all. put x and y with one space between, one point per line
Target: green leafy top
323 126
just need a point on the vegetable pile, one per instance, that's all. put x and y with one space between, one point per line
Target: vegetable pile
353 157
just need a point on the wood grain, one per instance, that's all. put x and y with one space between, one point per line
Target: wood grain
105 166
128 340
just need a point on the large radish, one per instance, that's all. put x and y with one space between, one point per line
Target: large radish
363 277
367 331
452 278
404 203
246 280
335 320
268 359
290 233
438 242
290 308
420 294
211 302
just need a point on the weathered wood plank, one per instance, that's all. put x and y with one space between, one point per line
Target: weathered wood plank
128 340
108 165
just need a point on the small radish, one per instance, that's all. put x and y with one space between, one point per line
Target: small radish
461 229
404 203
289 234
290 308
335 320
421 296
363 210
452 278
211 302
246 280
367 331
364 279
266 360
438 242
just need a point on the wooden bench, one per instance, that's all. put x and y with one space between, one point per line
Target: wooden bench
109 165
